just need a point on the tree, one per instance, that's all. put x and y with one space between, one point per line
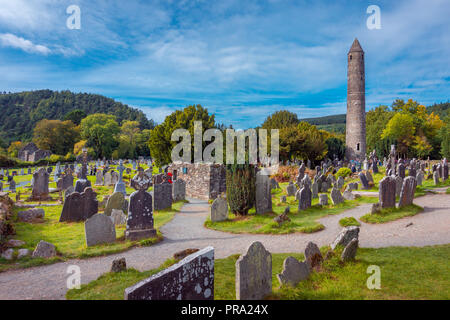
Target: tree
401 128
280 119
241 187
14 147
292 142
315 147
336 147
101 132
56 135
75 116
376 120
444 134
160 138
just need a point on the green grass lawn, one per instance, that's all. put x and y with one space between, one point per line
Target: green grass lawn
69 238
406 273
304 221
349 221
391 214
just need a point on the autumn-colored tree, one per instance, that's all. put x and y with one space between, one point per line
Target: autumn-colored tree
401 128
101 132
14 148
55 135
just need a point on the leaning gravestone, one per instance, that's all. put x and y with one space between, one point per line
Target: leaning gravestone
219 210
313 256
190 279
254 273
387 192
349 252
407 193
364 182
40 188
179 190
345 236
162 196
304 199
99 229
263 196
293 272
140 212
79 206
336 196
116 201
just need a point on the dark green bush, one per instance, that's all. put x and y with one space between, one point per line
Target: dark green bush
241 187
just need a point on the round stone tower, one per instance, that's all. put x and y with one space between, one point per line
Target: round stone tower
355 137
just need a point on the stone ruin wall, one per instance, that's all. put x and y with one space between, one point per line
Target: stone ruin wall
203 181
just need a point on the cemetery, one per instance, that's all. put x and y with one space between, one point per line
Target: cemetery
250 200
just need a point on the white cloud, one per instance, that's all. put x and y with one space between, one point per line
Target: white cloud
13 41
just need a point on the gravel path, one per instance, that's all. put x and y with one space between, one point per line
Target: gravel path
186 231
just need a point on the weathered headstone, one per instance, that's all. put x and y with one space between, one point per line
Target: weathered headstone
349 252
401 170
79 206
162 196
336 196
99 229
291 189
116 201
387 192
345 236
190 279
44 250
254 273
118 217
323 199
263 196
219 210
140 212
108 179
340 182
419 177
407 193
398 185
364 182
293 272
313 256
40 188
436 178
304 199
65 182
179 190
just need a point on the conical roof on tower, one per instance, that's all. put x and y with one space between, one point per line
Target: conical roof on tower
356 46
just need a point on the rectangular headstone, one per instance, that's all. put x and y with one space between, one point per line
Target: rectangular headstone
190 279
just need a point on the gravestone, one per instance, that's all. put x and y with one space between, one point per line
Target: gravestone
179 190
323 199
263 196
118 217
108 179
79 206
350 250
419 177
162 196
407 193
345 236
254 273
387 192
293 272
99 178
114 178
445 170
375 167
348 195
44 250
401 170
190 279
315 190
398 185
301 174
99 229
291 189
65 182
336 196
313 256
140 212
116 201
340 182
304 199
82 184
369 177
412 172
40 188
219 210
436 178
364 182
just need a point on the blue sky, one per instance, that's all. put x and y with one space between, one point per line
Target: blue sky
240 59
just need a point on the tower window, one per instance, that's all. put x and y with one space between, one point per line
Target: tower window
357 147
350 57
